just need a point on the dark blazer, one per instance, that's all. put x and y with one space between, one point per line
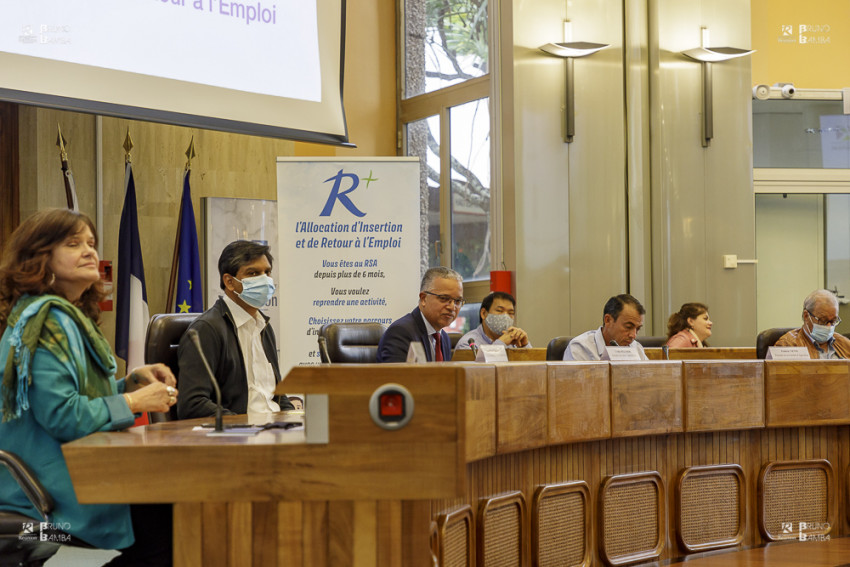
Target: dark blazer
217 333
396 340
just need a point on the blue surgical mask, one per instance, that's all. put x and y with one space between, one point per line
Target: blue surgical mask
257 290
822 333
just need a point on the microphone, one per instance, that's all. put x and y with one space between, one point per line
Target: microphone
193 336
612 342
473 346
665 350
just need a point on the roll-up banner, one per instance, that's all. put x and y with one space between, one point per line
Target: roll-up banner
349 245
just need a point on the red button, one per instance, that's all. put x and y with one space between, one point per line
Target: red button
392 405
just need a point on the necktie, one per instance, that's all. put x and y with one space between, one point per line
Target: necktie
438 347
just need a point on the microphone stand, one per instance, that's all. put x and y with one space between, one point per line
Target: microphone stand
193 336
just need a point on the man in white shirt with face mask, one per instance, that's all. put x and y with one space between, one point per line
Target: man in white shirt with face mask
236 339
498 315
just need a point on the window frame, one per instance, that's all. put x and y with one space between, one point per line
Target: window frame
439 103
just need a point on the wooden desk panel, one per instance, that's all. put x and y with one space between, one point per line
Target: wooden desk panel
521 406
646 398
514 355
707 353
480 411
806 392
724 395
434 388
579 401
356 503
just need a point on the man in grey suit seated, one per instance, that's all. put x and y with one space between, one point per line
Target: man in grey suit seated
622 318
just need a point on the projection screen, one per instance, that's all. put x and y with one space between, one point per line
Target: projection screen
262 67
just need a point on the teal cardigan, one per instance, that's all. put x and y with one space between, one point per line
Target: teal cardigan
58 413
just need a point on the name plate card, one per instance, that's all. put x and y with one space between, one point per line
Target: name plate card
787 353
491 353
416 353
620 353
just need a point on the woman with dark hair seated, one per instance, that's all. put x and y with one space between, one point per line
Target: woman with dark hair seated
690 327
59 384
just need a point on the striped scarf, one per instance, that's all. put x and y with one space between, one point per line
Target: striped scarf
31 325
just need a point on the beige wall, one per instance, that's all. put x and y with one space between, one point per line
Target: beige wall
227 165
635 203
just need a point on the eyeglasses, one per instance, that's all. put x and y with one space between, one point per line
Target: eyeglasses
833 323
458 301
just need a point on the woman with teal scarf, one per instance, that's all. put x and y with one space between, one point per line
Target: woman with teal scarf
59 383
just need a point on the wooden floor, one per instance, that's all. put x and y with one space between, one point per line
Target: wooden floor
832 553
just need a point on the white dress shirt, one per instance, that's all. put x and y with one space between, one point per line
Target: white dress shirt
261 380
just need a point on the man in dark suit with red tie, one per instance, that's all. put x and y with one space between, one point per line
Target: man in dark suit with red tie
440 300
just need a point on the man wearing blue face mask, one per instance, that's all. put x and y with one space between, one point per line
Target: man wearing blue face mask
820 318
498 315
237 341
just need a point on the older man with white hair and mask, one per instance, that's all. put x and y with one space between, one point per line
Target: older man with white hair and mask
498 316
820 318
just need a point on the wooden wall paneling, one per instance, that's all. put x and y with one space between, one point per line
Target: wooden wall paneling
521 406
215 531
646 398
9 170
291 532
341 533
264 536
365 534
807 392
723 395
843 464
390 533
316 533
579 402
416 519
188 534
240 532
480 414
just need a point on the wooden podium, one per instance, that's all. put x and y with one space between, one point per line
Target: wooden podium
491 435
274 499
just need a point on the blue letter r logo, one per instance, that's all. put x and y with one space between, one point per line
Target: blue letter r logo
342 196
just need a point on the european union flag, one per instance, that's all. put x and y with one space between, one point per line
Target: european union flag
190 298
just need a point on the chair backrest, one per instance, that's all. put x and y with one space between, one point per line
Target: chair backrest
351 342
768 338
556 347
652 342
454 338
161 342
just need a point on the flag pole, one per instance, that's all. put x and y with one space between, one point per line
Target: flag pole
67 176
169 301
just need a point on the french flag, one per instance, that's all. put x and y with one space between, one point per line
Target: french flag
132 296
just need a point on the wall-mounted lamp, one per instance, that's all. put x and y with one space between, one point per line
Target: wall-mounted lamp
707 56
570 50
